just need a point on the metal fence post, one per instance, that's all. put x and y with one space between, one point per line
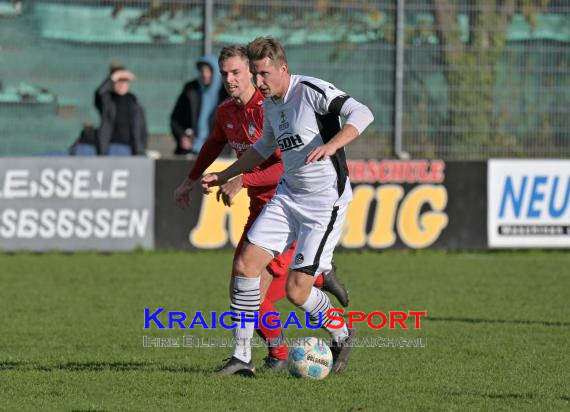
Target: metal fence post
208 17
399 81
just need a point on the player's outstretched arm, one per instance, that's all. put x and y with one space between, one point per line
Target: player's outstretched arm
228 191
246 162
182 193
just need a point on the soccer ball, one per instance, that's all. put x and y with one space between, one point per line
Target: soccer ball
311 359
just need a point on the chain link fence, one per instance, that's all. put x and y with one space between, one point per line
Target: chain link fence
483 80
480 78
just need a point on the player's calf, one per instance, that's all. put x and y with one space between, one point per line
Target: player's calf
317 304
299 286
276 346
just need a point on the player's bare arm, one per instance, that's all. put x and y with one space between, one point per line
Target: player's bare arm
347 134
246 162
357 116
182 193
228 191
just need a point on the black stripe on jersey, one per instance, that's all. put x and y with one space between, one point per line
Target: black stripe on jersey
337 103
311 270
312 86
329 125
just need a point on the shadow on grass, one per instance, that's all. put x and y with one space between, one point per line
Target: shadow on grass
89 410
101 366
510 396
506 321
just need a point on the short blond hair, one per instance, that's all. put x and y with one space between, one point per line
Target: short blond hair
233 50
263 47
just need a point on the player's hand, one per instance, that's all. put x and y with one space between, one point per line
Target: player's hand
211 179
229 190
320 153
182 193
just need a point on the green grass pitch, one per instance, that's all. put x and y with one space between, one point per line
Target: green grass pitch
497 332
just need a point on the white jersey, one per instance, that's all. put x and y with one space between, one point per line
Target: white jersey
305 118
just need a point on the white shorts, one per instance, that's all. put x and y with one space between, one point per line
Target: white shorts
314 220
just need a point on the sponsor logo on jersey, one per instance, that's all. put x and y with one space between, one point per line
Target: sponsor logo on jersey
251 130
287 141
240 147
284 123
229 125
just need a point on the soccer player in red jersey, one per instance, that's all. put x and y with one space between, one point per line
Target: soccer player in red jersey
239 122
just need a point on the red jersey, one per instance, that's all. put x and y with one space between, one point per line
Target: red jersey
241 126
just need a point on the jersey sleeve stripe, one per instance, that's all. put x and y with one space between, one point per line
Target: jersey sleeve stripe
337 103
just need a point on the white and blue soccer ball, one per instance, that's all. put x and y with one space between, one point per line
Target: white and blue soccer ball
311 359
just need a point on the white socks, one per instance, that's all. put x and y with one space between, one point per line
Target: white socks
318 301
245 302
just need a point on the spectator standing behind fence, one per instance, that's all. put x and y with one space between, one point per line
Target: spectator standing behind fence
123 129
193 115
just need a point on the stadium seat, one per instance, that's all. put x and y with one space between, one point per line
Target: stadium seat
119 150
83 149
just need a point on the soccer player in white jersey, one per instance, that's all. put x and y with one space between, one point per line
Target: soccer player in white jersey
301 117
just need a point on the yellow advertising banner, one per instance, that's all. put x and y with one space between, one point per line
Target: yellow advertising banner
393 200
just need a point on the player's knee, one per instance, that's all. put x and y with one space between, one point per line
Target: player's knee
244 268
240 267
295 294
298 288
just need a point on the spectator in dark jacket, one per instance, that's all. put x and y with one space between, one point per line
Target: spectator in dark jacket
194 113
123 129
